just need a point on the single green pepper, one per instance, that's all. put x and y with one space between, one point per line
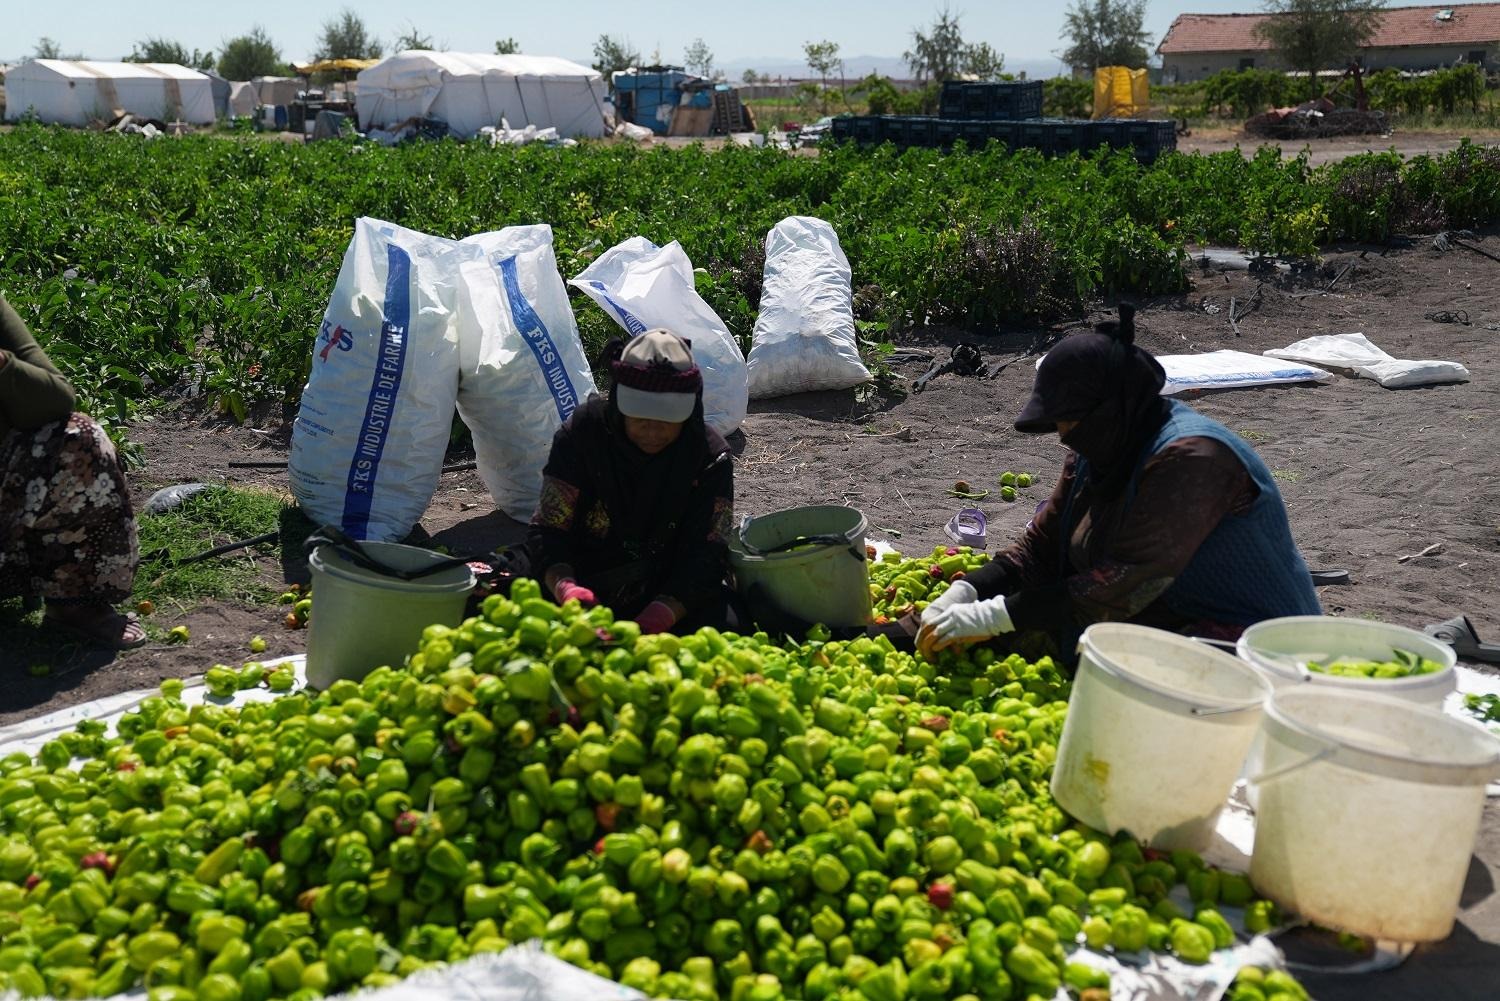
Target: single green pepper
1192 942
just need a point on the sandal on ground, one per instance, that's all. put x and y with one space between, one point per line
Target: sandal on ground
967 528
101 625
1458 632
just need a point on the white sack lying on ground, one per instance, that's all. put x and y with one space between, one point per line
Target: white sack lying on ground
804 337
523 365
1355 353
1232 370
643 287
368 443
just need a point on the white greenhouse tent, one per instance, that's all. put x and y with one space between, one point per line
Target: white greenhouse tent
242 99
78 92
472 90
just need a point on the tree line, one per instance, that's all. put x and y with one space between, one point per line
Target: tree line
1309 35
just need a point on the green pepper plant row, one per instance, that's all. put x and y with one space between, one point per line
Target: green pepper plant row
703 818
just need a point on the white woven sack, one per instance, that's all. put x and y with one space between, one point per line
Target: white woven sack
368 443
804 337
643 287
524 370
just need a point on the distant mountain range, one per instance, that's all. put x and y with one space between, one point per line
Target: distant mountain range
856 67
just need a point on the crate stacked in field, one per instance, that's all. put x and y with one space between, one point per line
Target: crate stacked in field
1011 101
1148 139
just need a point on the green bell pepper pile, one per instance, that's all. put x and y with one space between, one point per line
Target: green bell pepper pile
900 586
706 817
1403 664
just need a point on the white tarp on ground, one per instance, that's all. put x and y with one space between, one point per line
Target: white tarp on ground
1232 370
1356 354
1229 370
472 90
77 92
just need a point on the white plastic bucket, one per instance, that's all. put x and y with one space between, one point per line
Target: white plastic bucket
362 620
810 561
1369 810
1275 646
1157 731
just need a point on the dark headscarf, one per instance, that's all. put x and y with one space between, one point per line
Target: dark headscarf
1112 388
646 493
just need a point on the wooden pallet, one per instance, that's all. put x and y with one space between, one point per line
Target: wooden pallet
730 114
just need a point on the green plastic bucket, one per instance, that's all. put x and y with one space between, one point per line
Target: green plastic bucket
363 619
809 561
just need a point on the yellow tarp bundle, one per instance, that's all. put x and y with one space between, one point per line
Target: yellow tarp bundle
1120 92
330 65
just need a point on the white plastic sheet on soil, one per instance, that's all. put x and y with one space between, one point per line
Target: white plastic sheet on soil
1230 370
1355 353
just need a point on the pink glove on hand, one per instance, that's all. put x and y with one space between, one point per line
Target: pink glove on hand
656 618
568 589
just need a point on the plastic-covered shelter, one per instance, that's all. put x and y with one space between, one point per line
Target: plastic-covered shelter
274 90
242 99
69 92
469 91
649 95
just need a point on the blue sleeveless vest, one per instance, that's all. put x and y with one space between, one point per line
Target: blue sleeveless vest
1248 569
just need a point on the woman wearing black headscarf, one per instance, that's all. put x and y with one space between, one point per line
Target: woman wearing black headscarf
1162 516
638 495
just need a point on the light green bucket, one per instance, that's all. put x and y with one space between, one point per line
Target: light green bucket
362 619
810 561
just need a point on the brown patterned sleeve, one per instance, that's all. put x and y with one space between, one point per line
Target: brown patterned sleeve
550 540
702 552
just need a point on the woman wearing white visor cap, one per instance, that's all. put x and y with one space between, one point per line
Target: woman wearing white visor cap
638 495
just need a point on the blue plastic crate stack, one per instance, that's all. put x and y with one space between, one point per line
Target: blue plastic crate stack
1010 113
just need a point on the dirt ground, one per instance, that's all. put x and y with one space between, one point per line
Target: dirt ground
1407 143
1217 139
1369 475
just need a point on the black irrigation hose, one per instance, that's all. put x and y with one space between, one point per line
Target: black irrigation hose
228 547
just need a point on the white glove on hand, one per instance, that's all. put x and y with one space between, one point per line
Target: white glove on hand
974 621
960 592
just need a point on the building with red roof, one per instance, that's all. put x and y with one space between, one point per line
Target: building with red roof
1409 38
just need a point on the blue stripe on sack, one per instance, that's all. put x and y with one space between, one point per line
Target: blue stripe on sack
631 321
534 331
385 387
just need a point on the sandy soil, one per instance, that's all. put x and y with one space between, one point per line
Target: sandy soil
1408 144
1369 475
1220 138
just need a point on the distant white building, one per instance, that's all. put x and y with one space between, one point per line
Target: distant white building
472 90
77 92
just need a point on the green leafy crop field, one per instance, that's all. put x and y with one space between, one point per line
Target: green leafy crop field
206 262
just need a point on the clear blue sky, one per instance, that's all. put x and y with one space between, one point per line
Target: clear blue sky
739 34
